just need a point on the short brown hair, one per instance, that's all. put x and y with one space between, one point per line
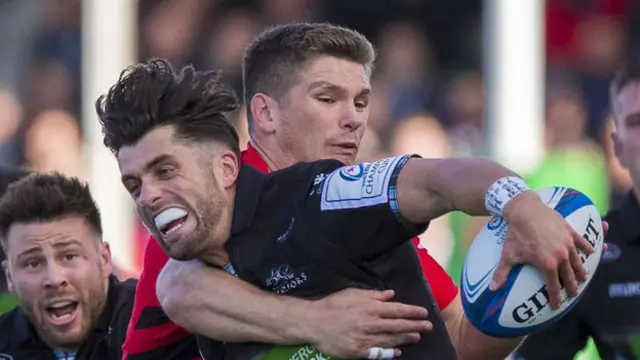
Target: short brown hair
46 197
156 94
272 60
628 74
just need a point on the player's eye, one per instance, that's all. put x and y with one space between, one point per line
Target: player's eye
70 256
165 171
361 105
31 264
326 100
133 189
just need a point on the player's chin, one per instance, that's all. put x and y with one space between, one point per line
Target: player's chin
182 251
346 154
345 158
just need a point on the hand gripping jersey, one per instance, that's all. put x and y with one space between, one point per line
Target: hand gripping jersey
316 228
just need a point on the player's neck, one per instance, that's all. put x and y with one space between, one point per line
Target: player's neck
216 252
217 256
271 153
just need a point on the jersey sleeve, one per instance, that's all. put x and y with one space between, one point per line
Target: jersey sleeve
442 286
356 207
562 341
150 334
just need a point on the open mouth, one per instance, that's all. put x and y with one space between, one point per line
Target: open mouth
62 312
170 220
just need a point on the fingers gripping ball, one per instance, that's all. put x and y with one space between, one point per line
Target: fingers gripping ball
522 306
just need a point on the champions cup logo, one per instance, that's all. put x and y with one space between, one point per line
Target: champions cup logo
495 223
352 173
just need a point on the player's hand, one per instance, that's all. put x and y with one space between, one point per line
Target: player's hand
538 235
346 324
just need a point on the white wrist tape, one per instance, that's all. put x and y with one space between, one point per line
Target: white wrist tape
501 192
380 353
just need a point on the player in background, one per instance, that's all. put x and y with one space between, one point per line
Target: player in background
609 311
70 305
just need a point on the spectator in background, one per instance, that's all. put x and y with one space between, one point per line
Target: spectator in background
53 143
571 159
423 135
405 67
463 113
11 115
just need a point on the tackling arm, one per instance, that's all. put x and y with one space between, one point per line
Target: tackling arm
222 307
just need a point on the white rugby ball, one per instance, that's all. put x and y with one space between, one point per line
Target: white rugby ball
522 306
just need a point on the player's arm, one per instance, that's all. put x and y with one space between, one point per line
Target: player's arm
429 188
222 307
225 308
469 342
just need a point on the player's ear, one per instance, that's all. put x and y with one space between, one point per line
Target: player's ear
104 250
618 148
229 169
7 275
261 108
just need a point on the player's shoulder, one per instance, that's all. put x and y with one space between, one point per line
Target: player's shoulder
12 323
298 180
622 219
302 170
8 318
125 287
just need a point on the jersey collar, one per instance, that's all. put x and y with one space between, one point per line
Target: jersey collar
252 157
248 189
629 213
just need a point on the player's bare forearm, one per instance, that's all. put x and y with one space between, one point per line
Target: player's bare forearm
207 301
429 188
475 345
471 344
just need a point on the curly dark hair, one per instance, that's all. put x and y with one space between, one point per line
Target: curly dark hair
154 94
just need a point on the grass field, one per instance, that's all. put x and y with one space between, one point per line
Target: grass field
7 302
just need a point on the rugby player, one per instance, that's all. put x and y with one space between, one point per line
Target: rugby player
70 305
144 143
609 311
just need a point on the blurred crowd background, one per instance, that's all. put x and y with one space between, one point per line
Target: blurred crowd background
428 95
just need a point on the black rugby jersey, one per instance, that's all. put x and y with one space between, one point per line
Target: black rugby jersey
316 228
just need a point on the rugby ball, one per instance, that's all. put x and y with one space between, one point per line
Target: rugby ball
522 306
